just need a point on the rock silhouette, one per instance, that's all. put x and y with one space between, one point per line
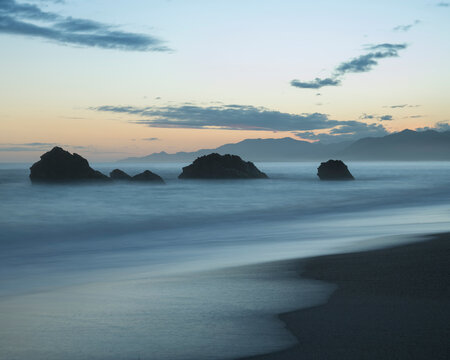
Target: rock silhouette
118 174
334 170
148 176
58 165
215 166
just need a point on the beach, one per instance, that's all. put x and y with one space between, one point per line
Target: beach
392 303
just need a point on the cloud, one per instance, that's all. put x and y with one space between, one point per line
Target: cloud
376 117
439 126
365 63
21 148
38 144
317 83
405 28
350 131
401 106
246 117
151 139
231 117
35 146
443 4
362 63
29 20
397 106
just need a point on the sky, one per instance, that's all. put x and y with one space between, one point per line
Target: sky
113 79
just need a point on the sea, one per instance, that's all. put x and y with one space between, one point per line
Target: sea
190 270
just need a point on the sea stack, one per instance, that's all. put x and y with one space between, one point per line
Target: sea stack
58 165
148 176
334 170
118 174
215 166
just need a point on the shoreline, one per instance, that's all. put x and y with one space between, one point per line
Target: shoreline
391 303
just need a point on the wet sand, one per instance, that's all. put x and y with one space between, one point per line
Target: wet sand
390 304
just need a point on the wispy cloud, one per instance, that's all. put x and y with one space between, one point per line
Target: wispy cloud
317 83
350 131
360 64
366 62
401 106
20 148
376 117
30 20
397 106
405 28
245 117
37 144
443 4
232 117
51 1
34 146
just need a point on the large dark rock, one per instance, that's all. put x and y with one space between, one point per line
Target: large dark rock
58 165
215 166
118 174
334 170
148 176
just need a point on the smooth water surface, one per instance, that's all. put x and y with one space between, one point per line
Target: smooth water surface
140 271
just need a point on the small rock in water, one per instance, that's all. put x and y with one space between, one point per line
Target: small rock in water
118 174
334 170
148 176
215 166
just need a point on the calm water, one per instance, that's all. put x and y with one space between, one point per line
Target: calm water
135 271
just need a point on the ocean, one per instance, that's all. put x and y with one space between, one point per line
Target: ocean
188 270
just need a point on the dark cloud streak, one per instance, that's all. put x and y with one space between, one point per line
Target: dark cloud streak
29 20
317 83
405 28
34 146
376 117
360 64
401 106
231 117
365 63
241 117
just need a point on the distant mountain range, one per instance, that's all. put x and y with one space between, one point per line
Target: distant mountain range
407 145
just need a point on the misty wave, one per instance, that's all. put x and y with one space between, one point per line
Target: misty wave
117 267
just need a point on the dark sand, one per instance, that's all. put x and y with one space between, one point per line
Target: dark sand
390 304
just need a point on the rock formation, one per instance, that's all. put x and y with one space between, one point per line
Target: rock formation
147 176
118 174
58 165
334 170
215 166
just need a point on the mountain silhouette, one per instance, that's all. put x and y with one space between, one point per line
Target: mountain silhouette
407 145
